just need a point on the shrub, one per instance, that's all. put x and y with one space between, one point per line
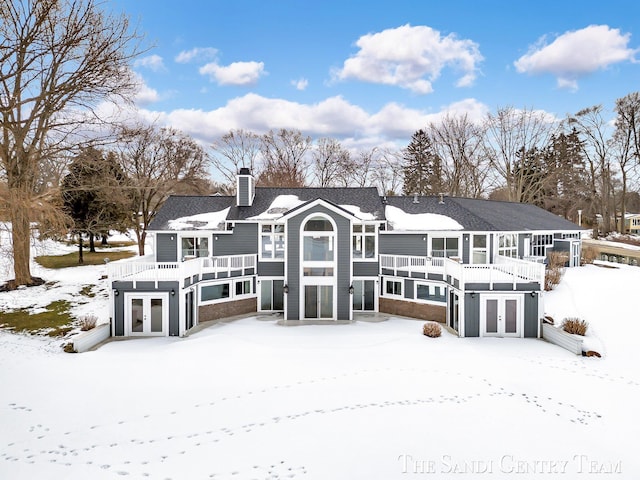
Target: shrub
552 278
432 329
575 325
555 269
88 322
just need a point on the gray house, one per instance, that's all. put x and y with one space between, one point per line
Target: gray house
325 253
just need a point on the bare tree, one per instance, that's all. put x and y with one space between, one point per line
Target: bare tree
457 142
388 172
233 151
58 59
331 163
364 167
511 134
626 142
159 162
594 132
284 156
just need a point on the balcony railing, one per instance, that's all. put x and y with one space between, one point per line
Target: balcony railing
504 270
158 271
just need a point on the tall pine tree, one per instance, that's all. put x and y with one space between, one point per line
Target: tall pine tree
422 167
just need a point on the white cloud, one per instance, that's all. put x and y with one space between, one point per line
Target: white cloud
144 94
198 53
575 54
152 62
300 84
237 73
410 57
333 117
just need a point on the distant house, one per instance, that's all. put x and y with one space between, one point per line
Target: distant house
632 223
327 253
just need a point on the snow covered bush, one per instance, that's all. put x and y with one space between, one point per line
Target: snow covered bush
87 322
432 329
575 325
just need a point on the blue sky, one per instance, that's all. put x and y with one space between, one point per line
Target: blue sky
371 73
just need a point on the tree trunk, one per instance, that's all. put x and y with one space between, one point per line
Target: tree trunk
20 236
142 237
80 252
92 243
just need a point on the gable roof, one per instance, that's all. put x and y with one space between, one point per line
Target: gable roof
485 215
365 199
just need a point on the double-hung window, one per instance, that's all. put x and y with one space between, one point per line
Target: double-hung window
364 242
271 241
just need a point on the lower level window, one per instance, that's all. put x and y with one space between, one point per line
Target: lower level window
393 287
210 293
430 292
243 287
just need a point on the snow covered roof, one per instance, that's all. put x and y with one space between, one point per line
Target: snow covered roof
400 220
202 221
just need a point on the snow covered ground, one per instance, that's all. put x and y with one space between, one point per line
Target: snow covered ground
372 400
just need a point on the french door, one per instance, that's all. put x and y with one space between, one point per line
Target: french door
146 313
501 315
318 301
364 295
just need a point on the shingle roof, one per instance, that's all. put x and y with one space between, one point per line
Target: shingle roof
472 214
486 215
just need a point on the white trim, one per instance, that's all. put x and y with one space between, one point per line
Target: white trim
146 297
376 294
318 281
399 280
232 289
430 283
319 201
501 298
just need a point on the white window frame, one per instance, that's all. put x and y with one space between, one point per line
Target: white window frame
540 242
363 235
510 250
259 293
232 290
274 237
430 285
445 237
484 249
196 243
388 280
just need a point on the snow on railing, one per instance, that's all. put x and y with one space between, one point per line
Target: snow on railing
412 264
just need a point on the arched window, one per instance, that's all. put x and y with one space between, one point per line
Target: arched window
318 224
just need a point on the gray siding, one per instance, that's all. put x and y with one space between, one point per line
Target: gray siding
531 316
243 241
271 269
294 239
403 244
365 269
408 289
146 287
244 191
166 247
471 315
466 247
521 237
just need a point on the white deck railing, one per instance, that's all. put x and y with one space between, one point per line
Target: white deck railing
157 271
504 270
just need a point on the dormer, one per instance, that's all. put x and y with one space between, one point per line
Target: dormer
245 188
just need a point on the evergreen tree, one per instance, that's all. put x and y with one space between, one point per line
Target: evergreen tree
422 167
94 196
